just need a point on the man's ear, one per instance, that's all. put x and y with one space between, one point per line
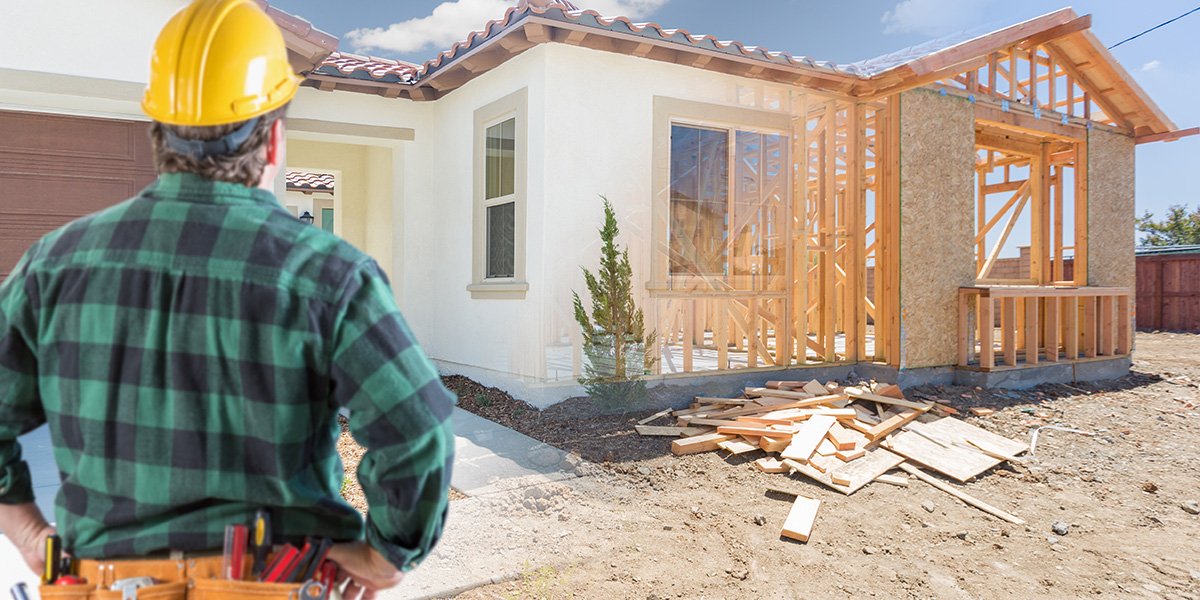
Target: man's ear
275 144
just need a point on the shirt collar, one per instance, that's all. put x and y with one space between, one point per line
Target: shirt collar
190 187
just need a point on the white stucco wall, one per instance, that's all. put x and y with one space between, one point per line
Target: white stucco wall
495 340
83 37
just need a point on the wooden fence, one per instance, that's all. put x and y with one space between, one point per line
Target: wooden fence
1168 292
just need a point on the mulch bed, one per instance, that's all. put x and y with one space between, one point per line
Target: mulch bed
576 425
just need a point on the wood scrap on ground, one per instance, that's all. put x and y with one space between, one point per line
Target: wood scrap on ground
842 437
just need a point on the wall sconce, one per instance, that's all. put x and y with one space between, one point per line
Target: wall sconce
307 218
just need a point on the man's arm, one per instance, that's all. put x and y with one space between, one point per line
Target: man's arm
400 412
20 411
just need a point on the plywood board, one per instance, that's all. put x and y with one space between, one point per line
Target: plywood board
859 472
805 441
800 519
937 226
1110 212
942 446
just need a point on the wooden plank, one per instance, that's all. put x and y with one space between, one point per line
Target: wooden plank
1089 326
892 423
799 523
1031 331
752 431
853 454
987 332
971 500
1008 330
860 472
815 388
693 421
1070 327
826 448
1124 324
954 456
655 430
700 443
661 413
964 332
895 480
770 464
1051 329
842 438
774 444
805 441
864 395
1107 324
737 446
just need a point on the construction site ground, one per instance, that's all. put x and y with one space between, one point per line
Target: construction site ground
643 523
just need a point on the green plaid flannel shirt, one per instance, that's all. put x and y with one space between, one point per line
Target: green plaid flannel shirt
190 348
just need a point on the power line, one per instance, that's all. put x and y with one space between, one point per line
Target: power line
1163 24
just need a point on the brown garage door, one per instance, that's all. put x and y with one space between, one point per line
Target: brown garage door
56 168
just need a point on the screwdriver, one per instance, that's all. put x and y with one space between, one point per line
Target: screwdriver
260 541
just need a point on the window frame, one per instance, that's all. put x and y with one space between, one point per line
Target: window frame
669 112
513 106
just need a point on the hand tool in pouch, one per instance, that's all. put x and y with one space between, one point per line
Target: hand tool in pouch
260 542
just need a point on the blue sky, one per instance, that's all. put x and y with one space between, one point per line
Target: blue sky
1165 62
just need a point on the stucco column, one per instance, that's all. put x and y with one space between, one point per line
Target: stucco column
937 232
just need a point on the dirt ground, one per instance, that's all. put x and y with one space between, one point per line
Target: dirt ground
686 527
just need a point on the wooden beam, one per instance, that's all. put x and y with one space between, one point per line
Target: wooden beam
1018 119
537 33
575 37
1072 26
1169 136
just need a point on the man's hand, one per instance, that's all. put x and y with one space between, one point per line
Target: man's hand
25 526
368 571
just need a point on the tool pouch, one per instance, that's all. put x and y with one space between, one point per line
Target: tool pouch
226 589
87 591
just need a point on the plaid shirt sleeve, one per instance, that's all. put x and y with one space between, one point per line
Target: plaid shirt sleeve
400 412
20 407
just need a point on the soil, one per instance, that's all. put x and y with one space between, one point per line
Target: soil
688 527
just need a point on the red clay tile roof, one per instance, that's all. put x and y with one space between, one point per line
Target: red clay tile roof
367 67
303 181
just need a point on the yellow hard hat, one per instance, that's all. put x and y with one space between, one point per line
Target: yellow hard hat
218 62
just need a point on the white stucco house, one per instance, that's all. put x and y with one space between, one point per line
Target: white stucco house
755 190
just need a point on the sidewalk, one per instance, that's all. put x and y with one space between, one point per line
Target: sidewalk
518 488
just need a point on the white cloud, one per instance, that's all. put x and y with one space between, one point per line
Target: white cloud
932 17
1152 65
452 21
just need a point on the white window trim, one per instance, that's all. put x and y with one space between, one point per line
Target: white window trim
514 105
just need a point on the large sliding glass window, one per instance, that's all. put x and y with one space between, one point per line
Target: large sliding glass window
728 191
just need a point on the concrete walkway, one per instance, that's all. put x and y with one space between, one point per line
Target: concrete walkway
517 488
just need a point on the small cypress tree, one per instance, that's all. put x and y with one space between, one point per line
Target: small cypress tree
616 326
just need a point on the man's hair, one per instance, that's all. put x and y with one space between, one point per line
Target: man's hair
244 166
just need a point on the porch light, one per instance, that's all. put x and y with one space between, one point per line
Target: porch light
307 218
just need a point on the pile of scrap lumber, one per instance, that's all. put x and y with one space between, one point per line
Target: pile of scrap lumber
842 437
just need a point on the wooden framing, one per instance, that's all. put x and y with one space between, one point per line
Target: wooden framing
1103 328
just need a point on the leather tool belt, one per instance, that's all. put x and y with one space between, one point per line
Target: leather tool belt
186 578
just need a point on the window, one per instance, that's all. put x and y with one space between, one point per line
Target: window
498 244
727 205
499 175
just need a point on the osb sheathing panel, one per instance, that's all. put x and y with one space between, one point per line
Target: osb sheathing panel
1110 209
937 193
